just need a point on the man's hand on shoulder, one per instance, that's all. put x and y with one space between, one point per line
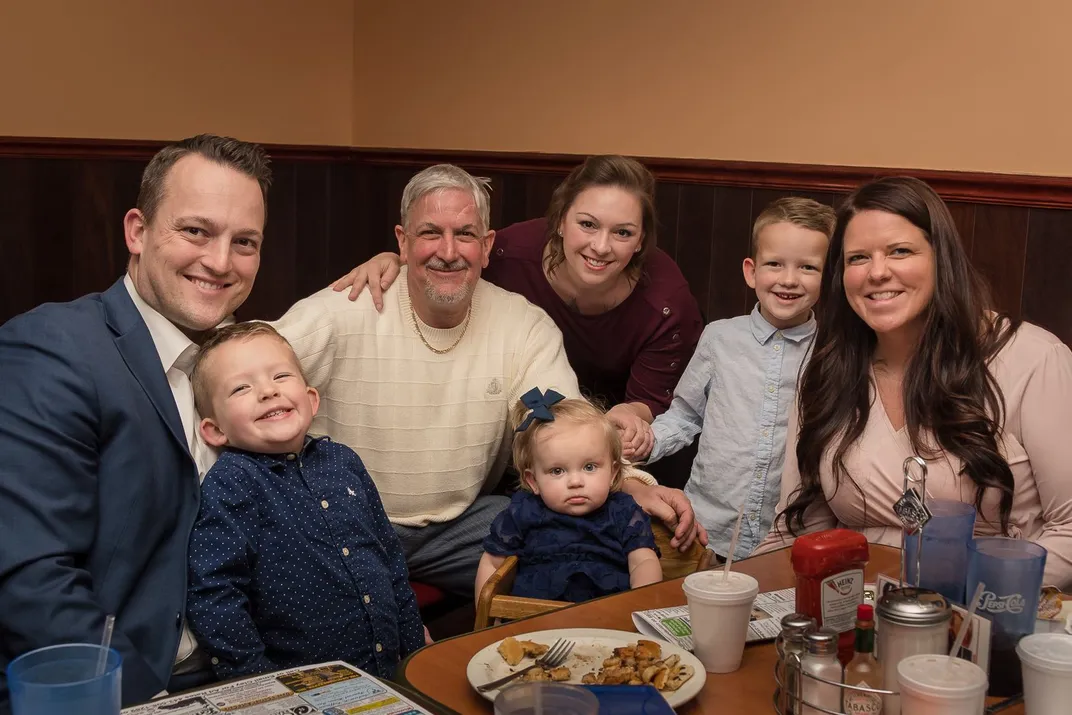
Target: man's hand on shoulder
671 507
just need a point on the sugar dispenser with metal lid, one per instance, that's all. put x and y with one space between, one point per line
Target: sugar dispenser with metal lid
911 621
790 646
820 660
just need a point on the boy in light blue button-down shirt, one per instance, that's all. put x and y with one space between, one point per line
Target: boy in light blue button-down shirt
738 388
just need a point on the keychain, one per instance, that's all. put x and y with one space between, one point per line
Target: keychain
912 510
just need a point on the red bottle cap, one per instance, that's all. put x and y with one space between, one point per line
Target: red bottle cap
827 551
865 612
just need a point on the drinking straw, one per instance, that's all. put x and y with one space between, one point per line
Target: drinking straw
733 544
962 633
106 643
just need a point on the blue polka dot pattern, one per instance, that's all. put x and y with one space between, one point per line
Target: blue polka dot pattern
293 561
570 558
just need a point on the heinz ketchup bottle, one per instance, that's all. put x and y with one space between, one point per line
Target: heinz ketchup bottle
829 566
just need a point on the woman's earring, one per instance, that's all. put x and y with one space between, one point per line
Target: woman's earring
636 250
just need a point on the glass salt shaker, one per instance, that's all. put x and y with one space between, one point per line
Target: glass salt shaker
790 645
913 621
821 660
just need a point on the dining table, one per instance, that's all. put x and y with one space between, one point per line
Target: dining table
438 671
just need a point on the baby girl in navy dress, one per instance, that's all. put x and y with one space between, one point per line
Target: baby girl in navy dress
576 535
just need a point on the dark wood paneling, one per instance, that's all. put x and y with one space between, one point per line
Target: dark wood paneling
62 204
964 218
999 248
277 279
695 221
20 248
343 247
1047 269
667 205
973 187
731 243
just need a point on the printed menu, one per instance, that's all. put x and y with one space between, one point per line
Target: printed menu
334 688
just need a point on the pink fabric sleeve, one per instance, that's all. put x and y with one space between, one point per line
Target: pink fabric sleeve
1046 431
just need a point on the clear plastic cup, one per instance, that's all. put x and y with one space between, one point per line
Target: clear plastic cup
1046 659
545 699
64 679
940 685
719 613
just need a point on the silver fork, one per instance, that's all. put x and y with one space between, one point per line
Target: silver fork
555 656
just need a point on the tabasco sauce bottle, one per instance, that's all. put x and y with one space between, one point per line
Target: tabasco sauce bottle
863 669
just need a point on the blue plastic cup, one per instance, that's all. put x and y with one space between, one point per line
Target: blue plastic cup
1011 571
545 699
944 565
63 679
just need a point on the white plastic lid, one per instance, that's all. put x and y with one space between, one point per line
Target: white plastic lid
1046 651
709 586
932 675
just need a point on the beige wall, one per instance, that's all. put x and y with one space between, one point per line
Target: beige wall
949 84
264 70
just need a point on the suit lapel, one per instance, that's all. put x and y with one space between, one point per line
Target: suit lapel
136 346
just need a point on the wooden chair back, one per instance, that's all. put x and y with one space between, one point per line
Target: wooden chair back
495 601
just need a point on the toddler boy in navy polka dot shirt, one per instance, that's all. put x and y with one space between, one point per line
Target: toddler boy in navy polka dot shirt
292 558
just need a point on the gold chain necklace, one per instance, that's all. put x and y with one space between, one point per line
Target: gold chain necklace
437 351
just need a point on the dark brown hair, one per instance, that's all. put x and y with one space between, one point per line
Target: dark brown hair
237 331
608 170
798 211
249 159
948 389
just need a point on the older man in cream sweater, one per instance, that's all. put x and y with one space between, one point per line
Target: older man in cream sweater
422 390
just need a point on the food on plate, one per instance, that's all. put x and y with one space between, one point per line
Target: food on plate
558 675
1050 603
514 651
640 664
511 651
533 650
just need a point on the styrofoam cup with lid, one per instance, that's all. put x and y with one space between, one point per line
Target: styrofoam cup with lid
719 612
1046 663
939 685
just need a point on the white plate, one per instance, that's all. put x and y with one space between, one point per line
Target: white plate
593 646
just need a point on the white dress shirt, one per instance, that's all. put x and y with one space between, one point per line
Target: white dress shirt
177 354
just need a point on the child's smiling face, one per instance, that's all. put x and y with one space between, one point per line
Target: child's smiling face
260 401
786 272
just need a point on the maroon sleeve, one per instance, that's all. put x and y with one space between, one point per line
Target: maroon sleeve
663 358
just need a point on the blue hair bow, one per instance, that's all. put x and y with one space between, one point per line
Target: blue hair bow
540 405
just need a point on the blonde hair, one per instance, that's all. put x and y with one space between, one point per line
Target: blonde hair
574 411
237 331
798 211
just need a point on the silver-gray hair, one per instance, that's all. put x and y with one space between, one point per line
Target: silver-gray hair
447 176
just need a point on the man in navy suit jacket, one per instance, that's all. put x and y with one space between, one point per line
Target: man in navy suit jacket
99 459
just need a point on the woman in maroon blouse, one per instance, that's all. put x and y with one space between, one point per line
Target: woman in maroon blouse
629 322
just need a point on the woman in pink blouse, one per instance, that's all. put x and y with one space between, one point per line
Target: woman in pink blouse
628 319
910 360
